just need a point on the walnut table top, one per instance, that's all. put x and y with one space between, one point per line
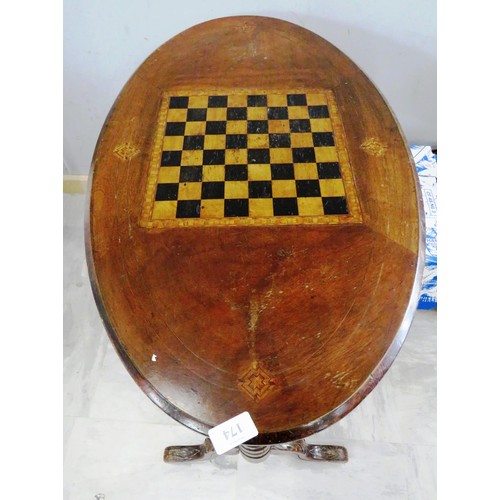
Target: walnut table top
254 229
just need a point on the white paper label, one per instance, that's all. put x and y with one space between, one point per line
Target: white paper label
232 432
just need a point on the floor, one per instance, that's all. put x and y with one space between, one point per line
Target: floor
114 435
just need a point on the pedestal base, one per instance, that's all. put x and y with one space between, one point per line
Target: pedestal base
258 453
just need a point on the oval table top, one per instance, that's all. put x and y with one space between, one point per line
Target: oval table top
254 229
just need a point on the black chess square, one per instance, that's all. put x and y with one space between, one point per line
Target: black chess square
167 191
285 206
260 189
197 115
318 111
237 113
179 102
335 205
236 141
300 125
191 174
217 101
257 126
236 173
214 157
329 170
215 128
296 100
303 155
188 209
282 171
257 100
193 142
307 188
258 156
175 128
212 190
236 208
171 158
277 113
323 139
279 140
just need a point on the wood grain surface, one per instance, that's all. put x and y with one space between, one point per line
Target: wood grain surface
294 323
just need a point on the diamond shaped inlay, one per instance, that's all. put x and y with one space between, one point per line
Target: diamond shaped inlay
256 382
126 151
374 147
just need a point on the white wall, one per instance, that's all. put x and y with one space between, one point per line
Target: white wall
392 41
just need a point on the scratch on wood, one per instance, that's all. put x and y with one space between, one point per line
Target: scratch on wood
252 325
341 380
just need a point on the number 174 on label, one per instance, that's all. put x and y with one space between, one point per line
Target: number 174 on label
232 432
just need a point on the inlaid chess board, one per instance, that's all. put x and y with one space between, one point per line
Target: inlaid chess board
249 158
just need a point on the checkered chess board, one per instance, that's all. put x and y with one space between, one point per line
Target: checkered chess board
249 158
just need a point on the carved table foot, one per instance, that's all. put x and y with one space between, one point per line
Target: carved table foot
305 451
258 453
188 453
